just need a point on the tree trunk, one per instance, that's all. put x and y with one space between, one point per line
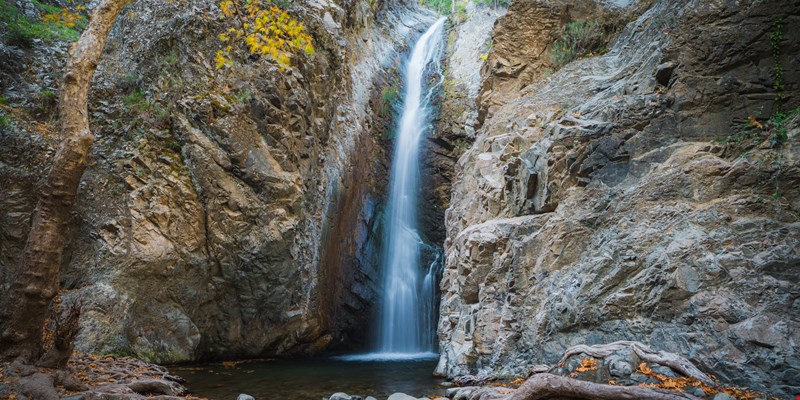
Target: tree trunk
36 280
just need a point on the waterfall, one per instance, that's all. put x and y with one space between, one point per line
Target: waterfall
407 312
407 318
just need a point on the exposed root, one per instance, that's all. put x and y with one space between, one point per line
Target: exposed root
92 376
645 353
544 386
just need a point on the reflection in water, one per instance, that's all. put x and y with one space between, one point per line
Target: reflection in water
311 379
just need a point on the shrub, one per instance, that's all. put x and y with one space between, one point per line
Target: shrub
127 83
775 128
47 100
55 24
577 39
264 30
4 119
388 97
494 3
777 125
136 100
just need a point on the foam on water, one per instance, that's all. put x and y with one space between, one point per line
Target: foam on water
425 356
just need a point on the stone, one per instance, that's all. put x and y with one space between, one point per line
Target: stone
401 396
244 396
723 396
696 391
621 364
460 392
341 396
38 386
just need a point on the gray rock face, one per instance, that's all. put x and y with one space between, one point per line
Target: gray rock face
598 204
467 46
227 212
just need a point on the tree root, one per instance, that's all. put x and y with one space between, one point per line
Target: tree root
544 386
645 353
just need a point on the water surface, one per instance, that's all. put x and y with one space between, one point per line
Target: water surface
311 379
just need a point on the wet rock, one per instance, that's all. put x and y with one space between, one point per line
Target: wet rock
401 396
460 393
343 396
723 396
244 396
155 387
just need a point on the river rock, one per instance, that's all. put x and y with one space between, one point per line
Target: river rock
343 396
463 392
597 204
401 396
244 396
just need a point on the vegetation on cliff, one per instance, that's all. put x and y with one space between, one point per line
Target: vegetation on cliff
264 29
53 23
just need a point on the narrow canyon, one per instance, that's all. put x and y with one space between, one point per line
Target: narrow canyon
361 199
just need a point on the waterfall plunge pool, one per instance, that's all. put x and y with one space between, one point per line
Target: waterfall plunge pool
312 379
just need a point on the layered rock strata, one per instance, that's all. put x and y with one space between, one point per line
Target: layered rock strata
644 194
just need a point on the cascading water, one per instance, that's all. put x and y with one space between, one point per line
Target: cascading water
405 321
406 325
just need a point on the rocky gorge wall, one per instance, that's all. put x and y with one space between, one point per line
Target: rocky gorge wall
226 212
628 196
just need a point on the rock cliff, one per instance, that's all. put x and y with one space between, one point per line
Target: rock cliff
649 193
227 212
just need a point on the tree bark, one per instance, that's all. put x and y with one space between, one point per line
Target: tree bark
545 386
36 281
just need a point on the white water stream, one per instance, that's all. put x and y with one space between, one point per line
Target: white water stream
406 322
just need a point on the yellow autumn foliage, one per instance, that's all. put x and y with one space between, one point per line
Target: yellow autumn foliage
261 28
64 17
